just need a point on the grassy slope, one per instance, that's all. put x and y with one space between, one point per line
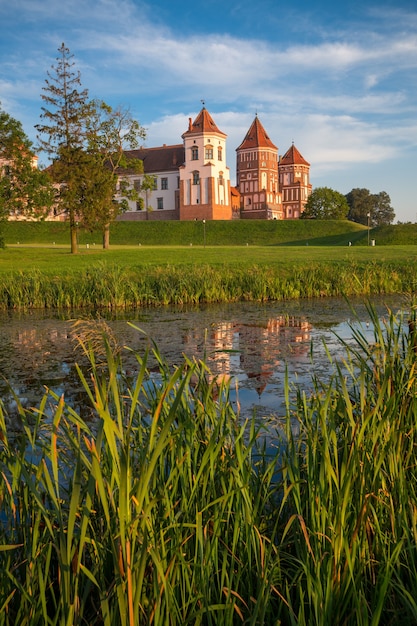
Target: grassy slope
239 232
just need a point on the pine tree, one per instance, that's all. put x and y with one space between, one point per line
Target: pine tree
63 135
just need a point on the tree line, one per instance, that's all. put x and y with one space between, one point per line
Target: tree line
359 205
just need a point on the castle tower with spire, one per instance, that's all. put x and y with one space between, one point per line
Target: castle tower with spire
204 176
294 180
257 175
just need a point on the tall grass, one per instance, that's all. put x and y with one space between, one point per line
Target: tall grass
349 485
159 506
150 513
104 285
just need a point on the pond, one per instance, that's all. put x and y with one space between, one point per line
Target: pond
255 344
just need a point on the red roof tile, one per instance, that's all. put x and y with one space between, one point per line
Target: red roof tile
203 123
293 157
256 137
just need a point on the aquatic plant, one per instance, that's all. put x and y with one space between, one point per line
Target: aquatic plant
110 286
162 507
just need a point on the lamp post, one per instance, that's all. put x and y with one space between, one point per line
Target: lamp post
204 232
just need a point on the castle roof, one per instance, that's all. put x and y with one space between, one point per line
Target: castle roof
256 137
203 123
293 157
161 159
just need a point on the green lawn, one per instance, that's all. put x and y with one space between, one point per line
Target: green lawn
56 259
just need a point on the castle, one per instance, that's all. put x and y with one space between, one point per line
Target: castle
191 181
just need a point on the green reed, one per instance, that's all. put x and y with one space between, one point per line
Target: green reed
349 481
161 507
152 512
105 285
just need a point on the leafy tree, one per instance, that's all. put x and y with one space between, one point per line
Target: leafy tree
325 204
63 135
360 205
369 209
382 212
24 189
146 184
112 133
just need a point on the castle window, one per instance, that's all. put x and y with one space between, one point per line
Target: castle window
219 154
160 203
194 153
164 183
196 178
209 153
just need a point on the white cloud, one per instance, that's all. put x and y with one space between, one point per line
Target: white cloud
343 92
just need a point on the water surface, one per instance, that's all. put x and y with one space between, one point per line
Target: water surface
253 343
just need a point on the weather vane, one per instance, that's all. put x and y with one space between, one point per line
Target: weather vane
203 103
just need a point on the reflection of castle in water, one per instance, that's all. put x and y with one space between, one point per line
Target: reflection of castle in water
254 349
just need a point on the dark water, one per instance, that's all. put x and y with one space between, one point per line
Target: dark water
253 343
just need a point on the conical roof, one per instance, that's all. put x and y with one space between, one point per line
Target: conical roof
293 157
203 123
256 137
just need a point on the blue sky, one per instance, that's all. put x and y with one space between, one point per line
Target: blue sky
338 79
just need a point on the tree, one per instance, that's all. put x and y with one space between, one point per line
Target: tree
63 135
146 185
369 209
24 189
87 141
360 205
382 213
111 134
325 204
